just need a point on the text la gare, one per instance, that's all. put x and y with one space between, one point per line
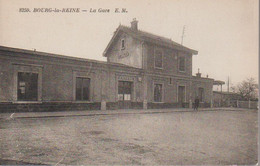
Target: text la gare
100 10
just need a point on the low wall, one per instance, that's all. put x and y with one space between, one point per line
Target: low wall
247 104
167 105
202 105
48 107
69 106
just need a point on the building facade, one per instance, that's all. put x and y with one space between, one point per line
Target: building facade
142 71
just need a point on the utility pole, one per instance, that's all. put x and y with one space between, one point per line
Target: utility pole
228 91
183 31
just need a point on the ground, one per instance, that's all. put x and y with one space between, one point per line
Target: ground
190 138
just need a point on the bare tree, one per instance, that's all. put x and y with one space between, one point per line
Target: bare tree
247 89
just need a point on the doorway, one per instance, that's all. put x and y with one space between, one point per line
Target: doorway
124 94
181 95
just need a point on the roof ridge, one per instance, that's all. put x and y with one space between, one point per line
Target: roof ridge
169 40
143 31
150 37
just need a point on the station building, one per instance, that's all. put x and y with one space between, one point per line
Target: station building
142 71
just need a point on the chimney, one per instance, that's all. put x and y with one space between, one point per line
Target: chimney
134 24
198 74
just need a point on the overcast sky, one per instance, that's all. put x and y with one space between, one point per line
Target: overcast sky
225 32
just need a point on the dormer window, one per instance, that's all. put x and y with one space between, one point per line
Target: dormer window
122 44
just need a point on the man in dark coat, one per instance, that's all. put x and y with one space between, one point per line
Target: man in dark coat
196 103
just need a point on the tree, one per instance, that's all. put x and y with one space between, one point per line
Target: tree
247 89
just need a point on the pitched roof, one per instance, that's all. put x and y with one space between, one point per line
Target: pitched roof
149 37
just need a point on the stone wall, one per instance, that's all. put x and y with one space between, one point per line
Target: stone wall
57 82
57 77
47 107
206 84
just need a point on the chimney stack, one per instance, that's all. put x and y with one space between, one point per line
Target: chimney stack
134 24
198 74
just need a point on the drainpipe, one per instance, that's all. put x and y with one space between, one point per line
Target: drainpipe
190 101
145 105
211 99
221 96
103 100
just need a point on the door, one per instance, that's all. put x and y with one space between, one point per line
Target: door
201 94
124 94
181 95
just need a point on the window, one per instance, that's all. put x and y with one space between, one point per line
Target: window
181 64
158 92
170 81
124 90
201 94
83 89
122 44
158 59
181 94
27 89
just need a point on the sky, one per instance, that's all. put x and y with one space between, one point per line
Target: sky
224 32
